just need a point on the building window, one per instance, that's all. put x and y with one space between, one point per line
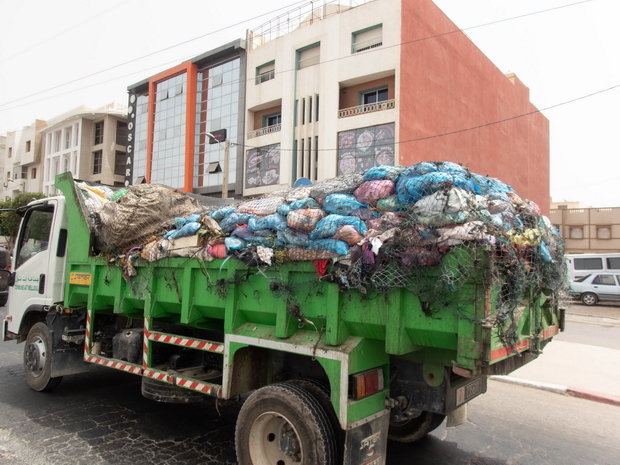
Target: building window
121 133
119 163
576 233
33 173
217 108
308 56
366 39
272 120
316 109
67 138
374 96
603 232
57 136
10 154
24 173
97 161
169 129
98 133
265 72
28 146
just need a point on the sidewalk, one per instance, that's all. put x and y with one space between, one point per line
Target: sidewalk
578 370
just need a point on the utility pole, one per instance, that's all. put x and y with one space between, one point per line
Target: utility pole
225 173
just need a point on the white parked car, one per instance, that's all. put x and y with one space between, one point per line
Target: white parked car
594 287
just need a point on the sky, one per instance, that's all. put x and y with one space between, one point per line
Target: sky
56 56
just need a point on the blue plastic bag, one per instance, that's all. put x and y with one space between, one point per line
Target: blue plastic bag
188 230
221 213
383 172
331 245
293 238
235 243
231 221
180 222
274 221
328 226
341 204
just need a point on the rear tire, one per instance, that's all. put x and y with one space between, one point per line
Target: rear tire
38 359
589 298
282 424
322 394
416 428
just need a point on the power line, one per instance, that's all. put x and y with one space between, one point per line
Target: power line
63 32
144 56
284 71
472 128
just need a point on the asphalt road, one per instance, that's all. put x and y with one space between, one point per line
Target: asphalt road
100 417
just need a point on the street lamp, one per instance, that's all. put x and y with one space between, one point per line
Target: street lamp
216 137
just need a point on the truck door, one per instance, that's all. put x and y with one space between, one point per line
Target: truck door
38 260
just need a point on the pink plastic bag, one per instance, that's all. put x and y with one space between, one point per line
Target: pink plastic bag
369 192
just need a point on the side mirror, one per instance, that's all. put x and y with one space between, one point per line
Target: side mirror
6 279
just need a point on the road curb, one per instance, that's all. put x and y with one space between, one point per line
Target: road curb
559 389
594 396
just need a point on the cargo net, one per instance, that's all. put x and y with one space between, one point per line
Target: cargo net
424 228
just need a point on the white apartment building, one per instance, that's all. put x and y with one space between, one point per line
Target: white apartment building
90 143
22 161
302 75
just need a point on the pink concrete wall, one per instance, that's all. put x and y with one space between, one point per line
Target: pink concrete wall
446 85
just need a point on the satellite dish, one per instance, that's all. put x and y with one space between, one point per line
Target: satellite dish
302 182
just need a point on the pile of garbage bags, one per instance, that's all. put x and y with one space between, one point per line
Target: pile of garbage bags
404 217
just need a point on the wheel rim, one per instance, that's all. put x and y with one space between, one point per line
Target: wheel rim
589 299
274 440
36 356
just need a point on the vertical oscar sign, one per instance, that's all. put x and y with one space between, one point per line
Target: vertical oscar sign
131 137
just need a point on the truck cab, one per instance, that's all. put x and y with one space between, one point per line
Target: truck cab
37 280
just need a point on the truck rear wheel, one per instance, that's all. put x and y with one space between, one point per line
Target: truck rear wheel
284 424
321 393
415 428
38 359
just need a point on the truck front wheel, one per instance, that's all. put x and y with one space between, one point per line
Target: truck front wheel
38 359
284 424
415 428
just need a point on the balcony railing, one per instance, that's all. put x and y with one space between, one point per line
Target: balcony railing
266 76
367 45
303 15
368 108
265 130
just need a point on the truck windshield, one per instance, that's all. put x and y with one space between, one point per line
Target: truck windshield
35 235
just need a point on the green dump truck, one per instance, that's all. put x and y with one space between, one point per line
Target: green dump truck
329 369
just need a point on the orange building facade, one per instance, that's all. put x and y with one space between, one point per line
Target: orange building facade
456 105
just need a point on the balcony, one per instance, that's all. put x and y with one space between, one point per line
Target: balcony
263 131
368 108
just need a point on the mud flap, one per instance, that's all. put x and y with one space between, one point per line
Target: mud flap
366 444
66 335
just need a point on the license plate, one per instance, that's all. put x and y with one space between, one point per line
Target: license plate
468 392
